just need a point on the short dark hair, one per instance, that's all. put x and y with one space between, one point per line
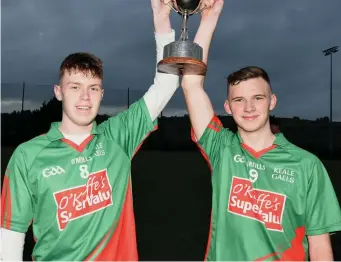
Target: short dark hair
246 73
82 62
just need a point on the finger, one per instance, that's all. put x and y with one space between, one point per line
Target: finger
207 3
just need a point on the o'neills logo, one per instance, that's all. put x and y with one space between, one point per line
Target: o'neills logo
80 201
265 206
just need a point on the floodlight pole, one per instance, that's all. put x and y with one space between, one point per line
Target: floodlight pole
330 52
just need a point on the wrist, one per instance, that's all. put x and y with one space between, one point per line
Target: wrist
208 25
191 83
204 34
162 25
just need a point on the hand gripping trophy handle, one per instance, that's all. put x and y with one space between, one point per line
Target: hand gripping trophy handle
183 56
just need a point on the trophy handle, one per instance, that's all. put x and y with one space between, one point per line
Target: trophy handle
199 8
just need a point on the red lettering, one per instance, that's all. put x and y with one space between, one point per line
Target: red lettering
80 201
265 206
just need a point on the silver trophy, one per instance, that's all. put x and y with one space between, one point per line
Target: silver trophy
183 56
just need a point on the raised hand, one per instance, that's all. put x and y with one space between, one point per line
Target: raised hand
161 7
161 12
212 11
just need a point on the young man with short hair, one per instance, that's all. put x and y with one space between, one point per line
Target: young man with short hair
271 199
73 184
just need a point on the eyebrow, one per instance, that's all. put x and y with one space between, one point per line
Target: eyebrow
77 83
95 85
240 97
74 83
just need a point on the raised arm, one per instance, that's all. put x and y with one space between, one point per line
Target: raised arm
131 127
164 85
198 103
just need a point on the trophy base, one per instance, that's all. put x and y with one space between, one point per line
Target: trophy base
182 66
182 58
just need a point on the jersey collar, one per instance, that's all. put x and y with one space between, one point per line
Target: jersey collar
280 139
55 134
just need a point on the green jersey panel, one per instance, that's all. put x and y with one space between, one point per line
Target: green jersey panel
79 196
321 194
128 127
274 198
17 195
214 136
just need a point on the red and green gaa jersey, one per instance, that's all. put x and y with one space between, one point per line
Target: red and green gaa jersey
78 198
266 203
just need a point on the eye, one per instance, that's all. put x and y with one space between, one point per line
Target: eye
74 87
238 100
259 97
94 89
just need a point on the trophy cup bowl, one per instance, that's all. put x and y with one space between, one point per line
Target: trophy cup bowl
189 6
183 57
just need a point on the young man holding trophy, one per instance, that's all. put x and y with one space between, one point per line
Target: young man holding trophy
73 184
271 200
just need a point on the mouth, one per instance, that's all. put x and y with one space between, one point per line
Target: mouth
83 108
249 118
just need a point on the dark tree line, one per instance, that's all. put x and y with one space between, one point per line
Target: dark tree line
173 132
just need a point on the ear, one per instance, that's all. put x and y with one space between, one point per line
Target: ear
58 92
273 102
227 107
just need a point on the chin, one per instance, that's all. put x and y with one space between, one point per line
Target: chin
84 122
250 127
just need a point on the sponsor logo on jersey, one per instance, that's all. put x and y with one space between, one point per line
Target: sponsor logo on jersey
264 206
53 171
81 160
81 201
249 163
84 159
284 174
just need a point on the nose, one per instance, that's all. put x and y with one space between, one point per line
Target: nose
85 95
249 106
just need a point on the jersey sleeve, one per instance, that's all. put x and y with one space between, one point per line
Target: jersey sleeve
213 140
16 195
131 127
323 210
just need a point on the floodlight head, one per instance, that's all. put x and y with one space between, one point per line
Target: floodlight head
331 50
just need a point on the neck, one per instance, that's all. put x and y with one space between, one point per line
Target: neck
67 127
258 140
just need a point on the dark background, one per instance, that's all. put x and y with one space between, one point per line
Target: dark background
171 180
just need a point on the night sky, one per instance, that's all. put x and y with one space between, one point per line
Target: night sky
286 38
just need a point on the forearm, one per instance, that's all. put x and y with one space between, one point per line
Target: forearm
162 24
12 245
320 248
165 85
319 254
198 103
199 108
203 38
